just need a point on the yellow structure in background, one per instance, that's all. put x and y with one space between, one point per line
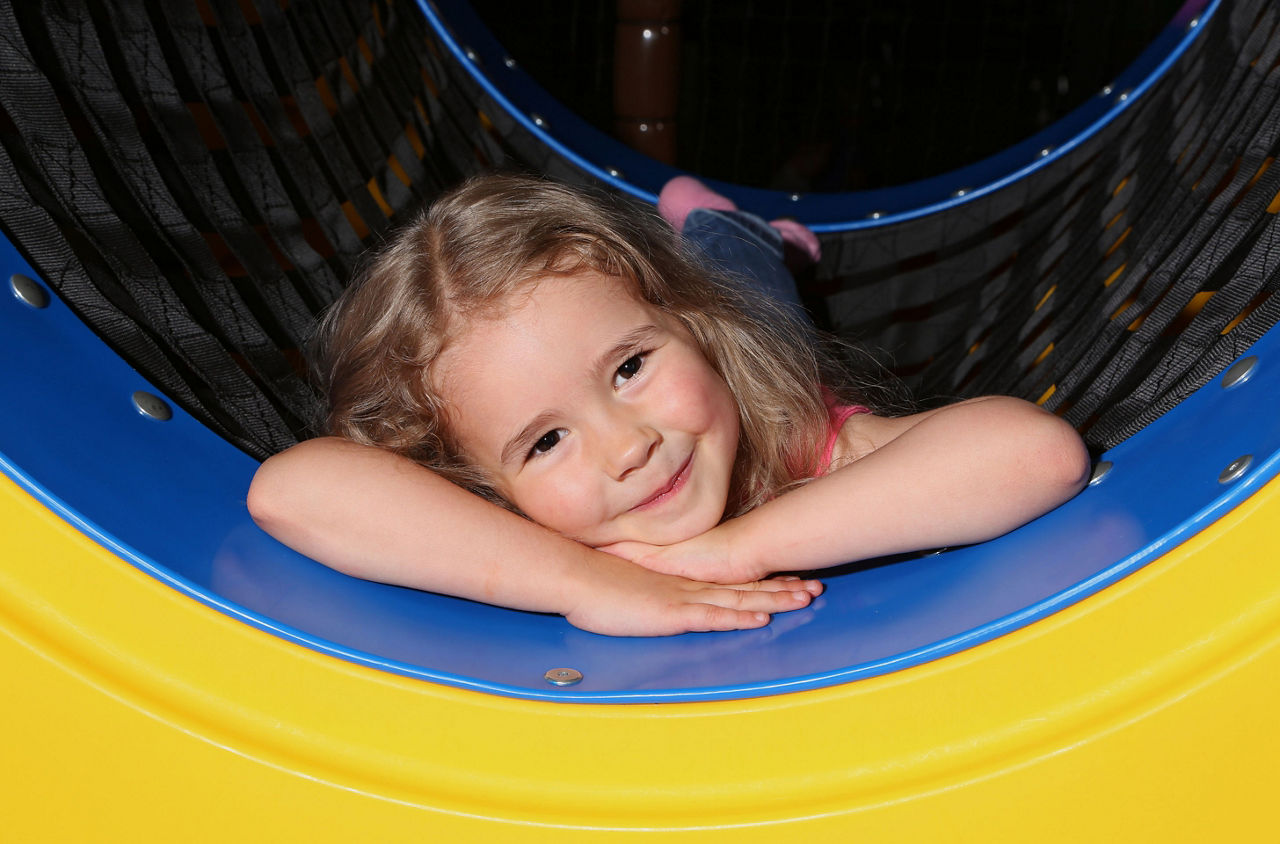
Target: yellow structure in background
1146 712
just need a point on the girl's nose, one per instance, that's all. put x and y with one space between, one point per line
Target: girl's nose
628 447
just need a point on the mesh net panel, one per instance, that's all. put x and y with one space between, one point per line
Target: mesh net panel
1108 287
837 95
199 180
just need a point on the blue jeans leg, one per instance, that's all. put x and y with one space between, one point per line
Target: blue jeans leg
744 246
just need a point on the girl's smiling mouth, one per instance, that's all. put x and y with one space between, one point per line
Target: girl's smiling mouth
670 489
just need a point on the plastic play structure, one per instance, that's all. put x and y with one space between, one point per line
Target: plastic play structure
1108 672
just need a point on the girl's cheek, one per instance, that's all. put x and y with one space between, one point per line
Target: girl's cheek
714 404
562 505
692 397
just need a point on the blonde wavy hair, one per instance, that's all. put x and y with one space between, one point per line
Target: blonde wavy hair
494 235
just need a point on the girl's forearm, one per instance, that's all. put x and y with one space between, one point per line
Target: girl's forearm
962 474
378 516
374 515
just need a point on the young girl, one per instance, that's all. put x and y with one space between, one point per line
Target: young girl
539 398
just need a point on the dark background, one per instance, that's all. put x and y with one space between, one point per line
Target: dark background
829 95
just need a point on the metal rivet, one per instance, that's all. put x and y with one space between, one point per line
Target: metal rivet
1100 471
537 120
1106 92
960 192
1194 23
1235 469
1239 371
1124 95
152 406
471 54
615 172
875 215
563 676
795 197
29 291
509 62
1044 151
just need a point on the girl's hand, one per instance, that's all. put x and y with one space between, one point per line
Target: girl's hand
627 600
376 515
709 556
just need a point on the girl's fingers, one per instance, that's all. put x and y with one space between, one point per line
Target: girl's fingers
758 600
707 617
730 608
781 584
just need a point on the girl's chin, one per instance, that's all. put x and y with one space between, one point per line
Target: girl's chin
670 534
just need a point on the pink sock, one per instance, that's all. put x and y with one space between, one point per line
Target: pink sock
684 193
799 236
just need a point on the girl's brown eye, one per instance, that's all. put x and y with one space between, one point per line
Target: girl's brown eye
546 442
631 366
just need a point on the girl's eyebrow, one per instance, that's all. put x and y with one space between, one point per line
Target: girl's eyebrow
516 444
627 342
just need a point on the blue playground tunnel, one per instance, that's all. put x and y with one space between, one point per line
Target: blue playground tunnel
188 187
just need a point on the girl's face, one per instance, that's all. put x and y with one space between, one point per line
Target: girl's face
596 414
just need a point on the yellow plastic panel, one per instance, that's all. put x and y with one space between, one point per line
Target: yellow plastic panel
1144 713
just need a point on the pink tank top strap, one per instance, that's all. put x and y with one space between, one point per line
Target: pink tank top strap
837 415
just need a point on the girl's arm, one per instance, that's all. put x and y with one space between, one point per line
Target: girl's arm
952 476
375 515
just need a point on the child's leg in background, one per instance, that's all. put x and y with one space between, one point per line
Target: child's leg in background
746 247
737 242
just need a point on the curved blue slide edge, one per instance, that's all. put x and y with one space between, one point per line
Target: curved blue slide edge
611 161
168 497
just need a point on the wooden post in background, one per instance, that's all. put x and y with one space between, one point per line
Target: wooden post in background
646 76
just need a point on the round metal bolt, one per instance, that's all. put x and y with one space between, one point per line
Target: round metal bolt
152 406
29 291
1100 471
1239 371
563 676
1235 469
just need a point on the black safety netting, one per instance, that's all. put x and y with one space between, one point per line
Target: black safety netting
828 95
199 180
